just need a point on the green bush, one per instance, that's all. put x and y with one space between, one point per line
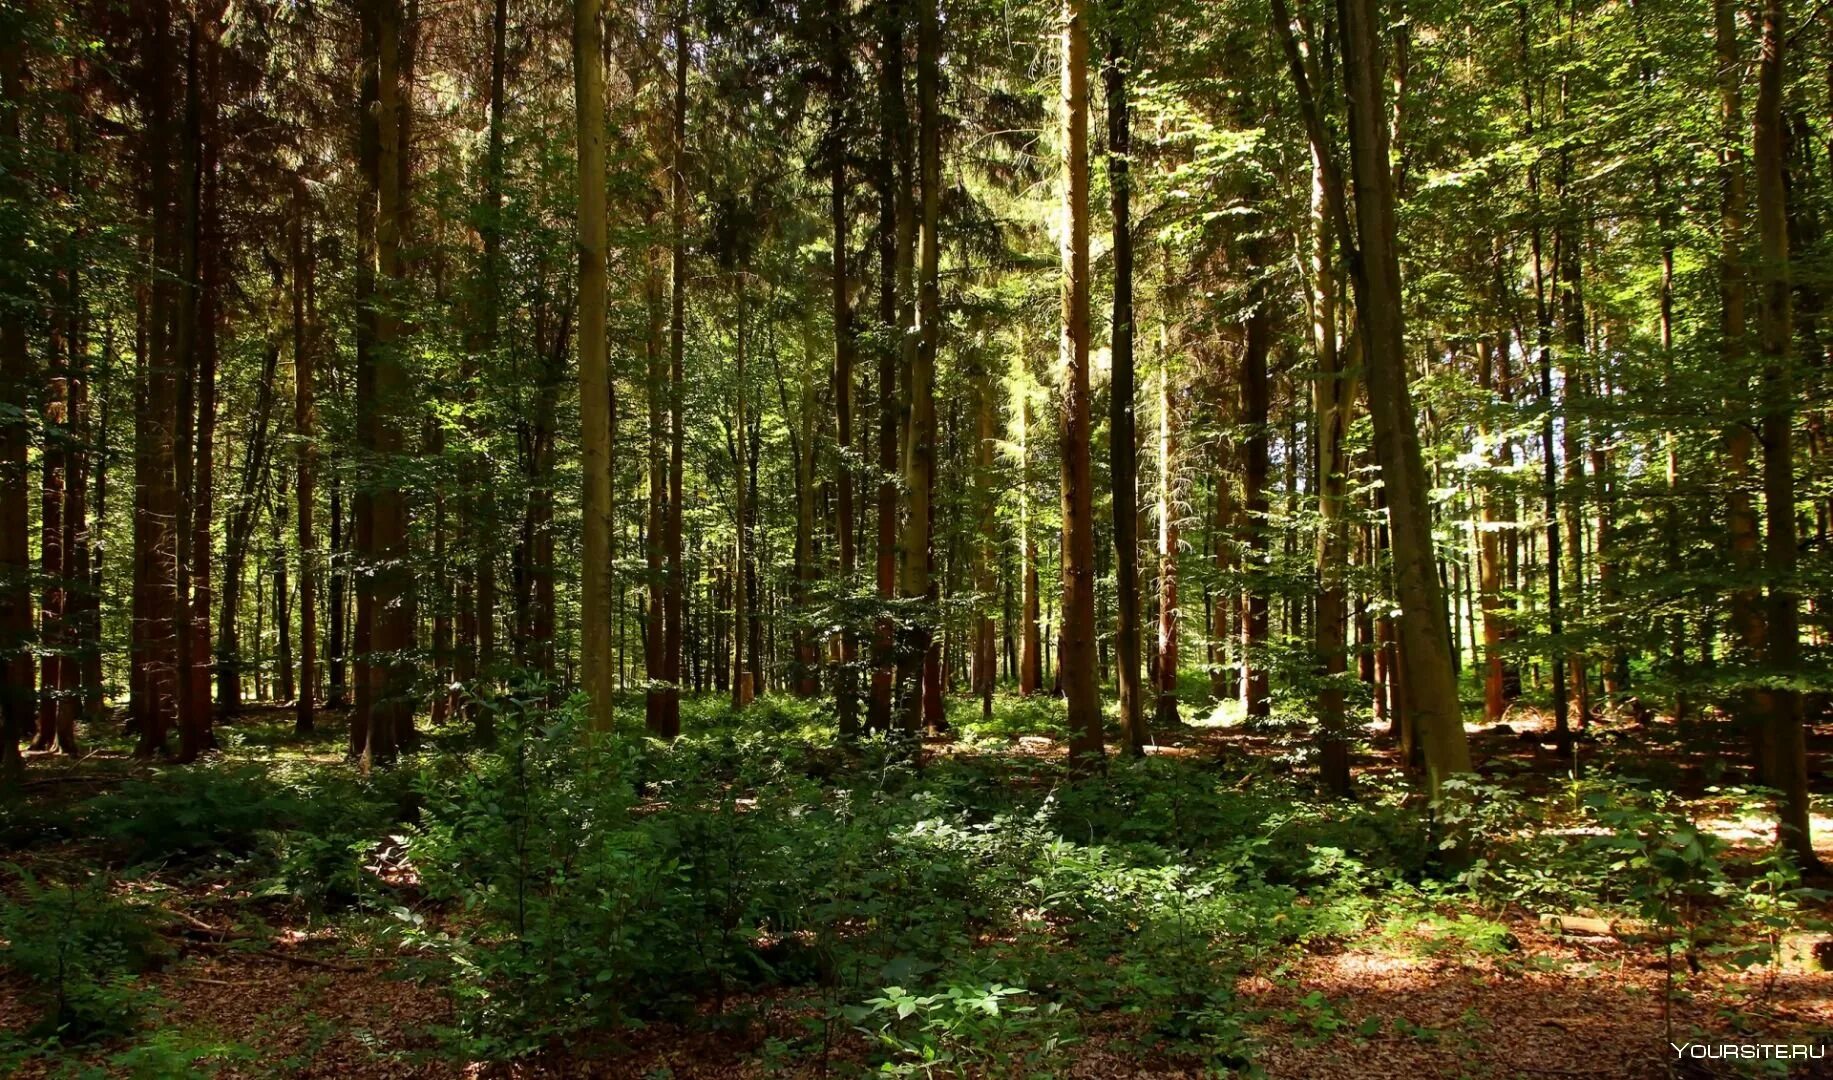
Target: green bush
80 949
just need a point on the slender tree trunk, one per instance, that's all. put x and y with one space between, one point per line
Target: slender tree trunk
241 523
305 430
894 211
337 690
15 436
597 665
1077 655
1256 689
668 720
1489 556
1573 331
846 686
1334 399
1747 617
53 571
1166 710
1432 696
482 614
742 684
153 700
198 733
920 425
1030 662
1784 753
385 618
654 607
1122 431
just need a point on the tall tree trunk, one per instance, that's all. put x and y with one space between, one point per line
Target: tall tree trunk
1254 415
336 691
15 437
53 568
1165 679
482 615
597 665
742 682
305 430
241 522
846 684
1432 696
197 734
1077 655
1784 752
893 256
385 617
1334 397
1572 406
668 720
1740 508
153 698
1489 552
1031 647
920 425
654 607
1123 437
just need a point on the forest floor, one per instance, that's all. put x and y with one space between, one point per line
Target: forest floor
252 974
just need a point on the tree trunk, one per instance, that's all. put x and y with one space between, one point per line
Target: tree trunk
597 665
15 437
153 697
1334 397
305 429
1077 654
1489 553
1031 647
668 718
920 426
1122 431
893 255
197 734
1165 680
385 618
1256 690
1784 752
743 686
846 684
1432 697
241 523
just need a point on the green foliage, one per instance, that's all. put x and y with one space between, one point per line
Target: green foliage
961 1029
80 948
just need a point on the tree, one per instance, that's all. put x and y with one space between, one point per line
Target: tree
918 456
1123 439
598 671
15 378
1783 756
1078 637
1432 697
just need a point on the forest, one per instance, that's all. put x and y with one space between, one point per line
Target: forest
669 538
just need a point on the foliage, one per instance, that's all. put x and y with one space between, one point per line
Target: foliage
80 948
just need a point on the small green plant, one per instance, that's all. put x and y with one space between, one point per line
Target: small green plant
81 950
959 1029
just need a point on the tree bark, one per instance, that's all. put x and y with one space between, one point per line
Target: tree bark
1123 436
846 683
1432 696
914 582
598 669
305 429
668 719
1784 752
1077 654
